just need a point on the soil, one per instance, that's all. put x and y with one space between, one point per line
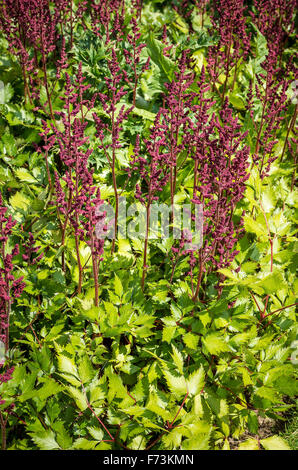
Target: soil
267 428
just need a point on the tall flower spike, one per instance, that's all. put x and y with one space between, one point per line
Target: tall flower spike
76 196
10 287
221 164
153 169
109 133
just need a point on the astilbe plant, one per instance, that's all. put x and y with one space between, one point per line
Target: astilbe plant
33 29
275 19
186 8
30 251
271 94
137 5
107 18
229 23
76 196
221 159
153 166
178 103
109 132
11 288
268 90
132 55
195 151
220 169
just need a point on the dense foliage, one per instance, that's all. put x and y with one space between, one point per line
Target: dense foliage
131 343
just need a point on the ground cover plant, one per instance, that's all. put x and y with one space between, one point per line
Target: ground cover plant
116 340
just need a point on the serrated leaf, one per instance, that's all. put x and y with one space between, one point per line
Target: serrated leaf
118 286
49 388
67 365
215 344
168 333
86 371
255 227
196 381
155 50
96 433
84 444
177 385
78 397
177 358
198 442
144 114
25 176
191 340
45 440
19 201
6 92
63 438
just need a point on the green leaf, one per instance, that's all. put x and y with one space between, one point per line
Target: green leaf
155 50
144 114
63 438
96 433
198 442
255 227
6 92
271 283
215 344
54 332
49 388
118 286
45 440
274 443
86 371
269 394
78 397
236 100
261 48
252 422
177 385
191 340
84 444
177 358
196 381
20 201
268 199
249 444
25 176
67 365
168 333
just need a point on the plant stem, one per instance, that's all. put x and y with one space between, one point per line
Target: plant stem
3 431
46 85
95 272
93 412
114 173
146 240
227 71
176 416
199 277
290 127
